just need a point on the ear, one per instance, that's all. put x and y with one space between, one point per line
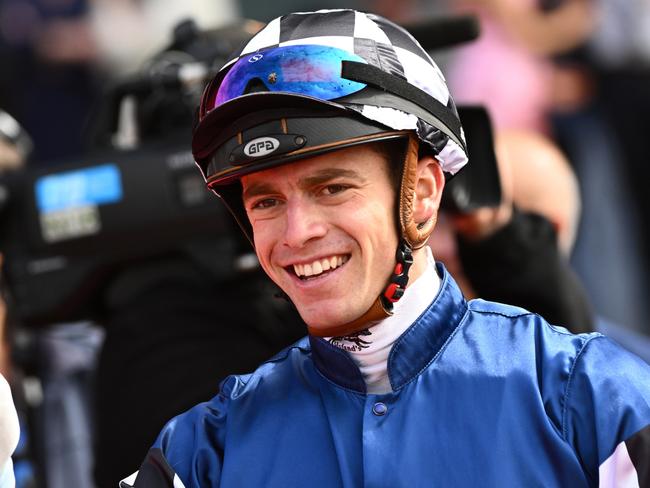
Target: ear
430 181
420 195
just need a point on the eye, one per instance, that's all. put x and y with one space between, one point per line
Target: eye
264 203
334 188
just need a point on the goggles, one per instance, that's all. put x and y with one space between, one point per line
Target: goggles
310 70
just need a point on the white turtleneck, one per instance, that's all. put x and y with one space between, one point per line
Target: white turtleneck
370 348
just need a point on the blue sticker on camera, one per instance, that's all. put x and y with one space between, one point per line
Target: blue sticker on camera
98 185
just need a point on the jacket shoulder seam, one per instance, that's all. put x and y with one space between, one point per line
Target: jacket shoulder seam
557 329
523 313
569 385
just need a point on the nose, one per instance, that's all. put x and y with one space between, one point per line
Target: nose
304 223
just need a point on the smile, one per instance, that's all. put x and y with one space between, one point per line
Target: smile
319 266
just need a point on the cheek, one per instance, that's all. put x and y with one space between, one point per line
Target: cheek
383 225
376 231
262 245
265 238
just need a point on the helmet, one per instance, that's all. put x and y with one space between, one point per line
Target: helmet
309 83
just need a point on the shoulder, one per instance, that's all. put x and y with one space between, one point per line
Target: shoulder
581 354
522 346
283 369
278 370
612 380
606 400
486 307
556 353
524 324
527 340
596 393
197 436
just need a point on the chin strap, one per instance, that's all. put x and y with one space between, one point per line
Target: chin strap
415 233
382 307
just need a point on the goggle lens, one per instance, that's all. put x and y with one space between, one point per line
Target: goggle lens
310 70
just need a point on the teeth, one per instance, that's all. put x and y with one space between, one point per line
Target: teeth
317 267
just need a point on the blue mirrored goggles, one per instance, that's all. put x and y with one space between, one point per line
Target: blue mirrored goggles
310 70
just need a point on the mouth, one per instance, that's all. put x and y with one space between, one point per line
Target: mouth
318 268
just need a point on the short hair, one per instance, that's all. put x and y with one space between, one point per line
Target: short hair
393 151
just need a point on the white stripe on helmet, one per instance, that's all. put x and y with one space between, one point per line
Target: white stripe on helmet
367 29
269 36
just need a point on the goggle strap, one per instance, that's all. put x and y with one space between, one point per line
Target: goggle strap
371 75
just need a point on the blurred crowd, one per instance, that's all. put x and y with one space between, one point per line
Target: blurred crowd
567 86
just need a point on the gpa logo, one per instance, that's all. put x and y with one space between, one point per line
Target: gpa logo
261 147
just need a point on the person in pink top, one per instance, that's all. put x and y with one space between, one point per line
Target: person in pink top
508 68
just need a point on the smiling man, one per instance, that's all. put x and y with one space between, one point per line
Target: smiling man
328 138
320 231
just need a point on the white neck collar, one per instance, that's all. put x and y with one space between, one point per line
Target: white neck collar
370 348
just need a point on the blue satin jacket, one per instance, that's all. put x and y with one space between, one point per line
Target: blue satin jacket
484 394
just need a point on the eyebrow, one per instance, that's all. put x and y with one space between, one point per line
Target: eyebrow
320 177
328 174
256 189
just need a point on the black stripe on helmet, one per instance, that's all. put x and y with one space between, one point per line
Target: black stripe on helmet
399 37
371 75
317 24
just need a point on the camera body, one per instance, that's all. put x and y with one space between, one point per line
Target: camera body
68 227
477 184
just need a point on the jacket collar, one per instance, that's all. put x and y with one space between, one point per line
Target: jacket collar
412 351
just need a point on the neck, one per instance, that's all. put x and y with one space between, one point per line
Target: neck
370 347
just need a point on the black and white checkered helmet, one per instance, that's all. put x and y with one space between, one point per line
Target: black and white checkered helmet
425 106
252 116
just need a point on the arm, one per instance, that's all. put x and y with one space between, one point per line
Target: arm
606 416
520 264
189 450
544 33
548 33
155 472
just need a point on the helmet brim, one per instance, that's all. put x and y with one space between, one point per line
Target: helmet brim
248 110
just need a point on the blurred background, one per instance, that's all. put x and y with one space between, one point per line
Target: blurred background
146 318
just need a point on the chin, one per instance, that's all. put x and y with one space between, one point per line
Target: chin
319 319
322 321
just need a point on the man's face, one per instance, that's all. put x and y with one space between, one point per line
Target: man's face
324 231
